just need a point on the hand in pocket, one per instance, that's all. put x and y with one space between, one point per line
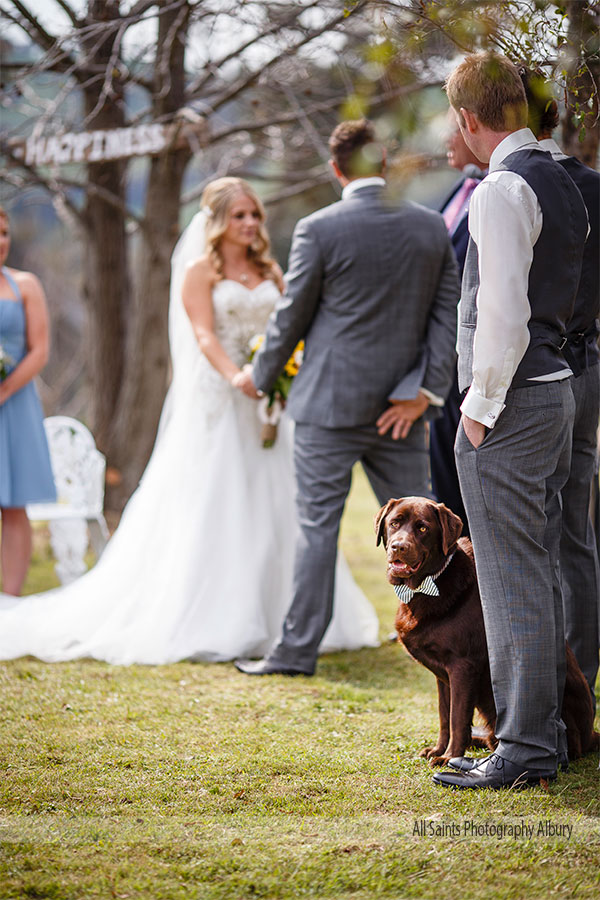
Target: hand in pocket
474 431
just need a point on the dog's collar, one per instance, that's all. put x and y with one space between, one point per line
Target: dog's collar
427 586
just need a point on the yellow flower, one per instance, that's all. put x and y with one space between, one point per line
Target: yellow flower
295 361
256 343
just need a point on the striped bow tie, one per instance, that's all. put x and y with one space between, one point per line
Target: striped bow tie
428 586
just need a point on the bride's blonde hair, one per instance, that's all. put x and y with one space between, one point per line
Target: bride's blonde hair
216 203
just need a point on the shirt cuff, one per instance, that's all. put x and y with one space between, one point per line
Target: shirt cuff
433 398
481 409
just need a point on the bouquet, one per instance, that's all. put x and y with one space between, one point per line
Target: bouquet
6 362
270 406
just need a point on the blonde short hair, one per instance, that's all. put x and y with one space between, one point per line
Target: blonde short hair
217 200
489 85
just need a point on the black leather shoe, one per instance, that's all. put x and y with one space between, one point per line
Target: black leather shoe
493 773
264 667
463 763
466 763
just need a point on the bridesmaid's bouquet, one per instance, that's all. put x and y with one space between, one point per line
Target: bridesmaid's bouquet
270 406
6 363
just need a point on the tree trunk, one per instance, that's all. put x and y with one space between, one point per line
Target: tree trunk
147 363
105 280
581 127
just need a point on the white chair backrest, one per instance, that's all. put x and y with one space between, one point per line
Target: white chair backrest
77 465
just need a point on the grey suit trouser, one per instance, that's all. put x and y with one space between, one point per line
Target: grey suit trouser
323 459
578 551
511 488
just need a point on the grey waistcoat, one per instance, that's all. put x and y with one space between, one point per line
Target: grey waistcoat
553 277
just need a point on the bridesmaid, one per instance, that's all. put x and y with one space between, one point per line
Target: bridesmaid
25 470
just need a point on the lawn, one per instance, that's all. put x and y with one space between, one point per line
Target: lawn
194 781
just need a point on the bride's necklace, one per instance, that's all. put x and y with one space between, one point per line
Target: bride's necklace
243 277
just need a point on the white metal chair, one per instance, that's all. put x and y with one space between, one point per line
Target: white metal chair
77 516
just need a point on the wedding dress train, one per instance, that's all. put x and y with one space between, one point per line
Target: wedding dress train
200 566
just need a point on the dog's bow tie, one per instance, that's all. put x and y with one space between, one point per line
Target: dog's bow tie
428 586
405 594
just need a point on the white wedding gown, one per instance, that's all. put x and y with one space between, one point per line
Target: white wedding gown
200 566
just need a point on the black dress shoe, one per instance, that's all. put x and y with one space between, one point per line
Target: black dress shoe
466 763
264 667
493 773
463 763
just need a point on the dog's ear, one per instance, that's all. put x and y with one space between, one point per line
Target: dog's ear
451 526
380 522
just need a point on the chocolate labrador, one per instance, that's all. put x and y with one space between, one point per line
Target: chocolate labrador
440 623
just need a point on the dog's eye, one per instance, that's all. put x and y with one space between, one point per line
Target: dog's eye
423 528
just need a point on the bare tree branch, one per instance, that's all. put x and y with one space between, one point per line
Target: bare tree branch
141 7
57 58
244 82
162 67
296 189
34 29
69 11
200 83
324 106
51 183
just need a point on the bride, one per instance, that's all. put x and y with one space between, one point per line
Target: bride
200 566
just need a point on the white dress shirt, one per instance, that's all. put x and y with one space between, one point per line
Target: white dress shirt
358 183
505 221
550 146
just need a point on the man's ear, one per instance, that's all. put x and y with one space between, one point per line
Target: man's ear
470 120
337 172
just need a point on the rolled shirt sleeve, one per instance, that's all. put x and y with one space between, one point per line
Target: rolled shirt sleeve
505 221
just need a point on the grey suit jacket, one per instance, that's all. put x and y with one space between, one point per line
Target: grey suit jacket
373 290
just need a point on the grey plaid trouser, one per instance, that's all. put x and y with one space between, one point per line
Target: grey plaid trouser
511 486
578 551
324 458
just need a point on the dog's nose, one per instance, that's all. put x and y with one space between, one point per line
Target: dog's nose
398 544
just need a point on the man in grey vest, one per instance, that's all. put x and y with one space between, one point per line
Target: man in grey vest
528 226
579 570
372 287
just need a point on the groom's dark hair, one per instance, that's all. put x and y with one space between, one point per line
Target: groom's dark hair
354 149
543 116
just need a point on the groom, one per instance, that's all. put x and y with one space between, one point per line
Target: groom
372 288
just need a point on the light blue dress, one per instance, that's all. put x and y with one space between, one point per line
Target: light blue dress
25 470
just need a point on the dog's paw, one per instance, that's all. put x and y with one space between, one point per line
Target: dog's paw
439 760
431 752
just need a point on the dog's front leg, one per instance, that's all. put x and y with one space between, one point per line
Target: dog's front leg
462 706
433 753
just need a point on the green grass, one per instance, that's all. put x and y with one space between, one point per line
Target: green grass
193 781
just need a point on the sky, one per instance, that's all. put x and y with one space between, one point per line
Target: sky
49 14
140 35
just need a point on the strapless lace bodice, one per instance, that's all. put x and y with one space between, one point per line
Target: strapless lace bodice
241 313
